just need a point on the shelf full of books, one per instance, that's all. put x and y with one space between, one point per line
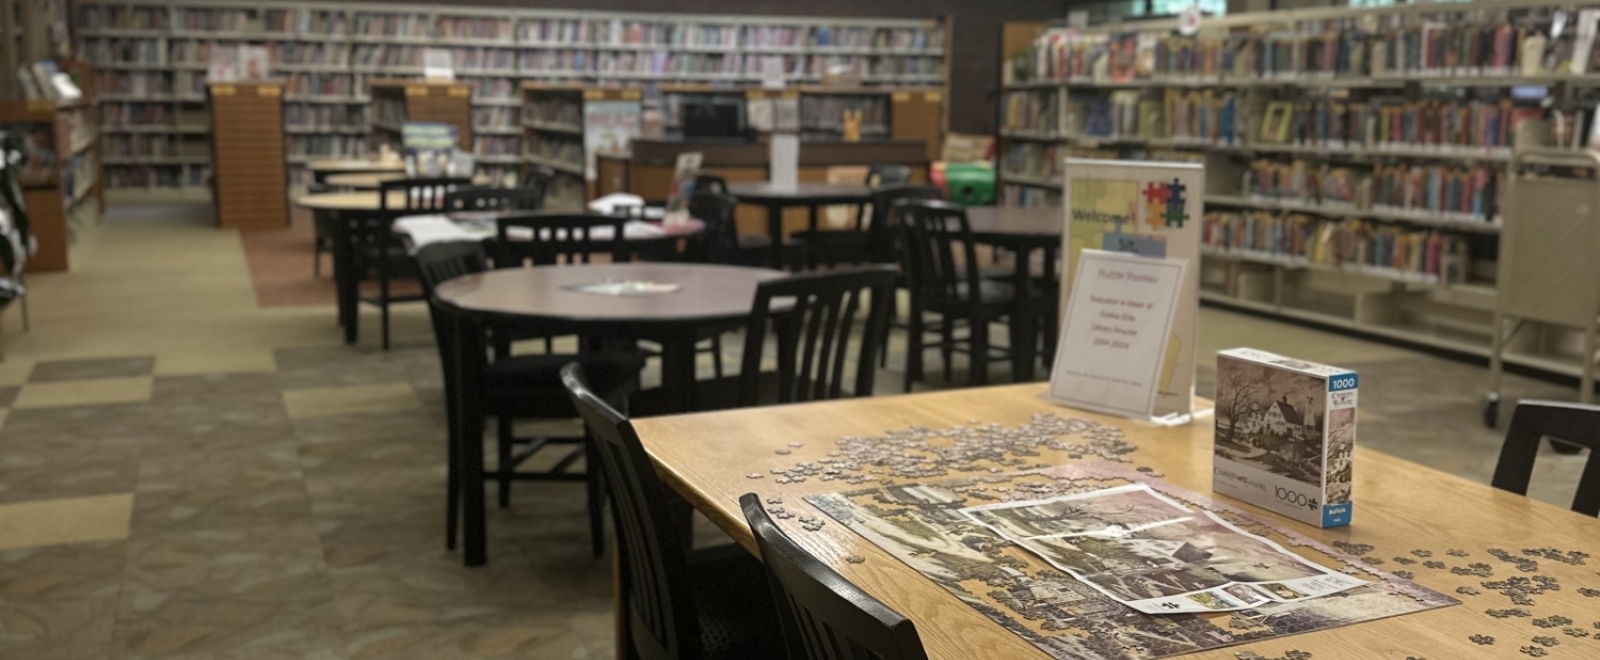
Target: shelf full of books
154 56
59 173
1357 158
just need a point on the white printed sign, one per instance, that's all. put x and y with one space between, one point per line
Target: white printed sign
437 65
1115 332
1153 210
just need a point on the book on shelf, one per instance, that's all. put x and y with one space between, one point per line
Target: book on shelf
1426 256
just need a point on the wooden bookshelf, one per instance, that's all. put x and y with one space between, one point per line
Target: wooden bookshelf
1264 70
62 187
395 102
251 173
327 55
553 118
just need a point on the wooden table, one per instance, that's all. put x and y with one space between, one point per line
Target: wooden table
364 200
807 194
371 180
713 299
1399 506
1024 231
322 169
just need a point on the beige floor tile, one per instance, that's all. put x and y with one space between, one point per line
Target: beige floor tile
324 401
1221 330
15 370
91 392
63 521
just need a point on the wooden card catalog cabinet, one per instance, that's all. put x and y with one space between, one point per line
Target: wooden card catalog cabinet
250 177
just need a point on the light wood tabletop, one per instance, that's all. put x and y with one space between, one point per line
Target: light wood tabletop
371 180
356 165
1399 507
359 200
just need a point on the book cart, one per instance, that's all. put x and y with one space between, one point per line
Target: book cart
1356 157
1548 273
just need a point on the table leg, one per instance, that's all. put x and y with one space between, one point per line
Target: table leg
775 231
346 282
469 378
1024 338
678 372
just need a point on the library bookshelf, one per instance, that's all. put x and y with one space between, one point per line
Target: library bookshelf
153 57
1356 158
251 173
556 118
60 173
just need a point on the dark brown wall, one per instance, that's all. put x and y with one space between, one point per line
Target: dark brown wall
975 63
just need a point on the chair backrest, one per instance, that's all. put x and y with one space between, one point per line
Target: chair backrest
661 614
1573 423
823 615
814 337
438 263
721 233
940 257
888 175
539 178
882 229
479 199
421 193
711 183
545 239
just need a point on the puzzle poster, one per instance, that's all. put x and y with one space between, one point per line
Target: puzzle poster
1150 209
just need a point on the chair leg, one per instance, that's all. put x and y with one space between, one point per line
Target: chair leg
978 351
716 354
914 334
888 326
383 293
596 495
947 345
503 455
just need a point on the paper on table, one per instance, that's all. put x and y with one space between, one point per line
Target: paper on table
1157 556
626 288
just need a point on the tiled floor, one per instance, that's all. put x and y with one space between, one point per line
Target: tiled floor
187 474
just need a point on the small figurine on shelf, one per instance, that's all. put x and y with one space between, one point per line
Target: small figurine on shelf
852 124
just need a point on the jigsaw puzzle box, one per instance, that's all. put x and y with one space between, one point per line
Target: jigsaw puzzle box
1285 435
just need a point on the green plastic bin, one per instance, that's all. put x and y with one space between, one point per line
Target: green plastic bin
971 184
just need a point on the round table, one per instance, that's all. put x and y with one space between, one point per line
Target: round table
712 299
371 180
322 169
1024 228
776 198
363 200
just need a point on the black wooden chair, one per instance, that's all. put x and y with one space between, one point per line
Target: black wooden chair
1574 424
520 387
883 237
547 239
718 243
710 183
942 274
823 615
490 199
381 253
538 179
820 339
680 604
855 244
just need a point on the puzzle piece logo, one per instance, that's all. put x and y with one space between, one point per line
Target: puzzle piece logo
1176 202
1155 203
1164 205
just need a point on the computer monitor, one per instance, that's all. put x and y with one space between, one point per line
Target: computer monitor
712 119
